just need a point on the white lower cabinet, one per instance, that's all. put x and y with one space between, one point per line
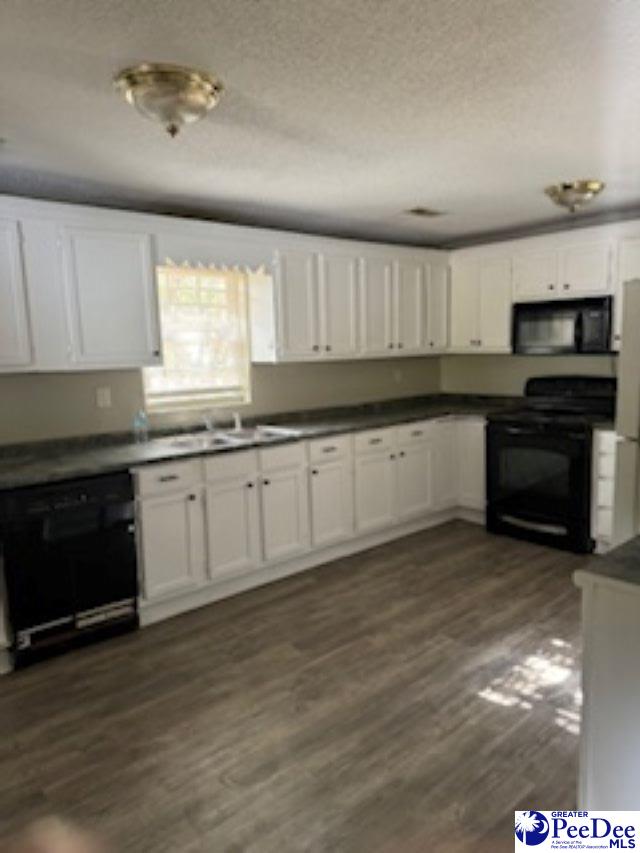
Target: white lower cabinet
445 464
208 520
172 543
233 514
285 502
331 490
415 480
471 463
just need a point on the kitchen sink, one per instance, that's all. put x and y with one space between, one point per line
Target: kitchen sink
262 432
202 441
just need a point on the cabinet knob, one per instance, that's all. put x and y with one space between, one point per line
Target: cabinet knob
249 485
393 456
192 497
550 287
402 454
328 348
314 471
400 346
390 346
266 482
566 286
315 347
431 344
156 352
617 337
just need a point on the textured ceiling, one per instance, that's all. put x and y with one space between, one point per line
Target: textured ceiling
338 115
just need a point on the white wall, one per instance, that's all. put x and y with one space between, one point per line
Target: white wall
55 405
507 374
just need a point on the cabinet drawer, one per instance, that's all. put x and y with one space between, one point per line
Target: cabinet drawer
284 456
229 465
606 466
604 523
335 447
168 477
606 442
415 433
604 493
373 440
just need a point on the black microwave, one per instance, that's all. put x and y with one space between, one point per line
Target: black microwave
563 326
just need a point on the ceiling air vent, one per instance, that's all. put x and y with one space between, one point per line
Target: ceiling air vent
424 211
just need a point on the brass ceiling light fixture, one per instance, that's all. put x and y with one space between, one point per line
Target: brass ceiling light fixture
574 194
170 94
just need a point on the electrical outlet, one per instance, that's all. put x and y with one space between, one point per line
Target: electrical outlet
103 397
398 376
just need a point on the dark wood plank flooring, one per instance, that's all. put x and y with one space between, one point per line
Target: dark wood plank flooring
408 698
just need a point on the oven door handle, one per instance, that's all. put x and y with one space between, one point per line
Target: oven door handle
521 431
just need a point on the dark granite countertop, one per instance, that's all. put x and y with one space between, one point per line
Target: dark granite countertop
620 565
51 461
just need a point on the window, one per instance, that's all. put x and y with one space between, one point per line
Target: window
203 317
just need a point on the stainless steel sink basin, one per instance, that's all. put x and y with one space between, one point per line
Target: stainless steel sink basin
262 432
202 441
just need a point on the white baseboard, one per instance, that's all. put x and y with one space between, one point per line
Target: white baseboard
156 611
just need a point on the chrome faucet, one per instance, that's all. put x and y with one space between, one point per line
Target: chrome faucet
209 423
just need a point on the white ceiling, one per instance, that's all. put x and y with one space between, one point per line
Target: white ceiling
338 115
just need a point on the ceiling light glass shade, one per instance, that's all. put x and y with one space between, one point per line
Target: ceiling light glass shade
574 194
170 94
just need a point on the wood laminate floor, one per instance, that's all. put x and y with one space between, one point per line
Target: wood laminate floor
408 698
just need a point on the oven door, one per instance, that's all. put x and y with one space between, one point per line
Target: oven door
539 485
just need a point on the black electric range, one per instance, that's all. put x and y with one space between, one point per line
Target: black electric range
539 460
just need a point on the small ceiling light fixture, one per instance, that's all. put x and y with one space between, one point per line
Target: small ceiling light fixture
574 194
171 94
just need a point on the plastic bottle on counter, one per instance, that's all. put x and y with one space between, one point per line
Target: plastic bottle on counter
141 427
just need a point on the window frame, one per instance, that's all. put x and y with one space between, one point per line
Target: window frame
198 398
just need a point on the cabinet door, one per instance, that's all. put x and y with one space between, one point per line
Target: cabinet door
376 296
535 275
110 289
172 543
585 269
628 268
445 465
338 295
285 513
495 305
331 502
415 480
15 342
297 300
465 302
409 299
233 526
437 314
471 464
375 485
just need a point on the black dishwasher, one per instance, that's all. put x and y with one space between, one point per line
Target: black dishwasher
69 557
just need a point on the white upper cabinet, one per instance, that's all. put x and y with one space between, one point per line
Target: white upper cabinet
628 268
585 269
297 303
376 306
535 275
565 271
409 296
348 302
338 292
437 314
494 280
109 280
465 306
481 303
15 341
